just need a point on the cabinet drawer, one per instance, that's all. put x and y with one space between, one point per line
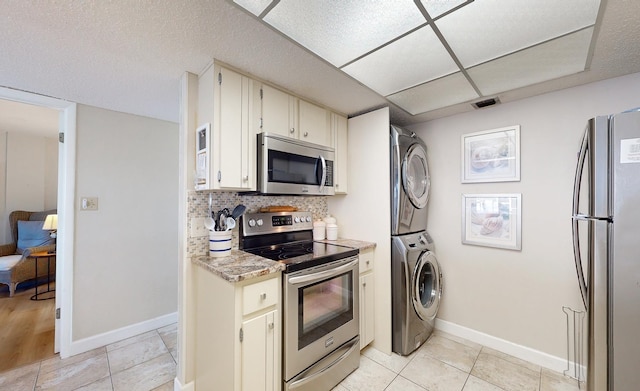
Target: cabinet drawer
366 260
260 295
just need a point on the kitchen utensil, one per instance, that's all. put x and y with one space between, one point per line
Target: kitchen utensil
238 211
231 223
222 221
208 221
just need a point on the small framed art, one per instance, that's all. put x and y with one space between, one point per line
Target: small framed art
492 220
491 155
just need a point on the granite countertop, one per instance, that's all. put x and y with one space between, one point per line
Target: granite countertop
359 244
241 265
238 266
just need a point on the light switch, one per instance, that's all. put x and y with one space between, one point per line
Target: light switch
89 203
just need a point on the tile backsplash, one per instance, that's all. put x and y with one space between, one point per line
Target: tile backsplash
198 205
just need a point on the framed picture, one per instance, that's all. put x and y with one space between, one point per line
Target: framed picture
492 220
491 155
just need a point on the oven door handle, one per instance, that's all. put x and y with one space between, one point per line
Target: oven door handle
321 275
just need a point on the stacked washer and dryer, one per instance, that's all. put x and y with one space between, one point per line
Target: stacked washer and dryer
416 281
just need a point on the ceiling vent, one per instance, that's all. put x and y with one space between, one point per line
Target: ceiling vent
485 103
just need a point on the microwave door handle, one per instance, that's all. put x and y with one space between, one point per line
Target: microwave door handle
324 173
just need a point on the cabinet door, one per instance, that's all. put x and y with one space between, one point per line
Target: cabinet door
277 112
259 353
366 309
314 124
339 125
233 124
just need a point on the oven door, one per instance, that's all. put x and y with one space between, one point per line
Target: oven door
320 313
287 166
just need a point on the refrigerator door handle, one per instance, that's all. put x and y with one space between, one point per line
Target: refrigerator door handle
576 217
582 156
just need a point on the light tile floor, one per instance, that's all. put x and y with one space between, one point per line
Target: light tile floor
148 362
449 363
141 363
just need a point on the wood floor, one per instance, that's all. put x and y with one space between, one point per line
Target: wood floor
26 327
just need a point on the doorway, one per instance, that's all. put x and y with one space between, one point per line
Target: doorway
65 200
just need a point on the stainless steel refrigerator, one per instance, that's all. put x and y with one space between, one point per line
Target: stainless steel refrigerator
606 236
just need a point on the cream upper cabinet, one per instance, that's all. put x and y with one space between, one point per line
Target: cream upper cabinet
340 137
289 116
314 124
279 112
226 100
367 304
238 339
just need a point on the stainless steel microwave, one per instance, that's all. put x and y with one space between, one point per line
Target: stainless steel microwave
290 166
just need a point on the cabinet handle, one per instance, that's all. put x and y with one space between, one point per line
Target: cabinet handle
271 326
292 130
245 178
364 284
263 296
306 134
368 262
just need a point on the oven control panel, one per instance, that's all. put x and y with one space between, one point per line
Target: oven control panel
274 222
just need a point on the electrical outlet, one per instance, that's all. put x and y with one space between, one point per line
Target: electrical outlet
198 228
89 203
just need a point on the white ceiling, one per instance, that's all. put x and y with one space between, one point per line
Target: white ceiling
129 55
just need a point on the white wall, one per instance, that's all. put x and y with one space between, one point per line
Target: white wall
126 252
29 177
518 295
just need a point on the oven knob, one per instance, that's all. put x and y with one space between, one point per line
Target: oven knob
252 223
308 219
259 222
296 219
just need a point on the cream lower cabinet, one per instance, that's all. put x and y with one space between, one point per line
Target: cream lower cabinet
238 331
367 304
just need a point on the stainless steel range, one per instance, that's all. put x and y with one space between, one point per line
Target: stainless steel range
320 298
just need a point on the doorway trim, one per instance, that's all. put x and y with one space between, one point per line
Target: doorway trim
66 212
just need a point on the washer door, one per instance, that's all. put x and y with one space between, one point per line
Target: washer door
426 286
415 176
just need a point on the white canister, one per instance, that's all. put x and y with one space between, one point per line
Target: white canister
330 220
319 230
332 232
219 243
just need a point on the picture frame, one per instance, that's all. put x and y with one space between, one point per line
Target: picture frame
491 155
492 220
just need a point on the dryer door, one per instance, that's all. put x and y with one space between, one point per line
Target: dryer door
426 286
415 175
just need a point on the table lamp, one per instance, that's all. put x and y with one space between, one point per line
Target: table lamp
51 224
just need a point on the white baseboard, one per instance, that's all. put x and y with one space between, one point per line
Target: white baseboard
177 386
109 337
522 352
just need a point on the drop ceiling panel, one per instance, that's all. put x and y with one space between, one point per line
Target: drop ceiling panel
436 94
437 8
342 30
556 58
411 60
484 30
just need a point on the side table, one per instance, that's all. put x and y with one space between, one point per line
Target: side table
37 256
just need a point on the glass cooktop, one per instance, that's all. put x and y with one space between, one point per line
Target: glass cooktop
304 254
